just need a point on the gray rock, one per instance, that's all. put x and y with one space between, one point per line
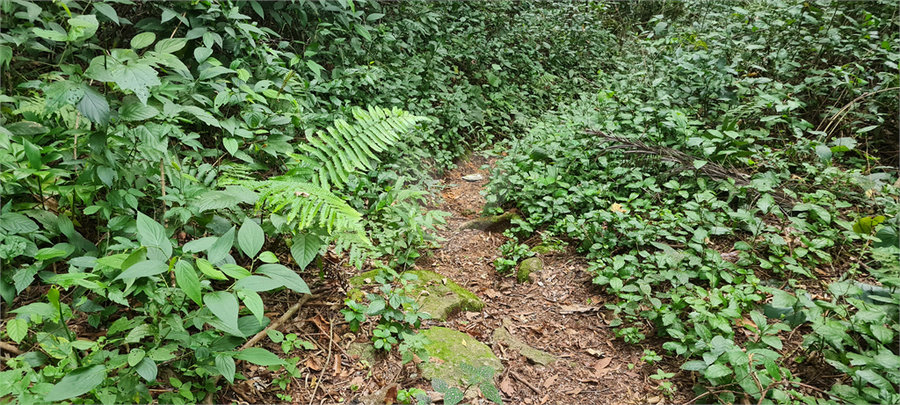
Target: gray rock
473 177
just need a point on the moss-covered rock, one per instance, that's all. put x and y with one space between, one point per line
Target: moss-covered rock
450 348
439 296
495 223
549 247
528 266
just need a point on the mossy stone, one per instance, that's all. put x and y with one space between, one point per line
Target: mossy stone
528 266
494 223
448 349
439 296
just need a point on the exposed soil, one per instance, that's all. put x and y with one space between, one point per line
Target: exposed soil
561 313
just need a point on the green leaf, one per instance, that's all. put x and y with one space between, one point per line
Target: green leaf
170 45
135 356
225 365
268 257
259 356
315 67
187 279
453 396
490 392
136 77
694 365
305 248
257 283
234 271
50 34
251 237
82 27
33 153
199 245
288 277
873 378
147 369
221 247
76 383
202 54
107 11
17 329
374 17
137 112
225 307
151 234
254 303
213 71
143 40
93 105
717 371
231 145
26 128
145 268
207 268
363 30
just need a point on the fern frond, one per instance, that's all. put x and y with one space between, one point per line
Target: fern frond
306 205
344 148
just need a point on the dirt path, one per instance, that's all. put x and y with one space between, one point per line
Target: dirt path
561 313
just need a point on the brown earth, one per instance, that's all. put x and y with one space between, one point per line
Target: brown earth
561 313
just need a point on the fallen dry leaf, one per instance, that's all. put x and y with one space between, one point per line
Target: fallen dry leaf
313 364
550 381
602 365
507 387
595 352
391 395
571 309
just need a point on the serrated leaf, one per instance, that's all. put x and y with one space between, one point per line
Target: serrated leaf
286 276
145 268
136 77
152 235
251 237
305 248
225 307
221 247
17 329
93 105
76 383
225 365
259 356
147 369
137 112
187 279
143 40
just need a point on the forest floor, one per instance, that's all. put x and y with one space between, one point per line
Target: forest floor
561 313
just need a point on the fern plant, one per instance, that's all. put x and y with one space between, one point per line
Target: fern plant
346 148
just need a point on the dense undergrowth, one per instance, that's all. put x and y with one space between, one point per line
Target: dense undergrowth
738 194
165 166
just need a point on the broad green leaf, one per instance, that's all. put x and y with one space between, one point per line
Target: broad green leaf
225 307
143 40
286 276
26 128
234 271
259 356
170 45
363 30
221 247
694 365
251 237
225 365
717 371
33 153
147 369
152 235
873 378
145 268
374 16
254 303
207 268
135 356
257 283
107 11
17 329
187 279
198 245
305 248
76 383
231 145
213 71
93 105
315 67
137 112
136 77
50 34
13 222
268 257
202 53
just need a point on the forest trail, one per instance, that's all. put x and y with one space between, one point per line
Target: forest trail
560 313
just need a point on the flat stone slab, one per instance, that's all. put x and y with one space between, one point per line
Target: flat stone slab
448 349
501 334
439 296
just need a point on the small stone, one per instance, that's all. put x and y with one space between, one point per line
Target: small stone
528 266
473 177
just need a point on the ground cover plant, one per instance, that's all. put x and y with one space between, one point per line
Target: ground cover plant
166 169
736 189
